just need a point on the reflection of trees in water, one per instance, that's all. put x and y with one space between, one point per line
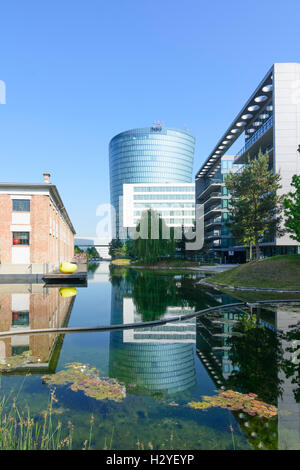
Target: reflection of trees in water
92 267
153 294
291 365
256 353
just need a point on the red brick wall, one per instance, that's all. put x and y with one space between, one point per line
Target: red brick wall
39 236
5 233
45 247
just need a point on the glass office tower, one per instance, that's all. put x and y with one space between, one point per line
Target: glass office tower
149 155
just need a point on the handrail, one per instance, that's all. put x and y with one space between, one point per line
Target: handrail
127 326
261 131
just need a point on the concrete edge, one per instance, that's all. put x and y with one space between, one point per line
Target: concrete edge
251 289
31 278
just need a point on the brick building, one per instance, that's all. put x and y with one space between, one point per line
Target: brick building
36 233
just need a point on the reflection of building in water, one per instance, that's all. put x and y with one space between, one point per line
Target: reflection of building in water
181 332
158 359
213 348
289 416
213 330
30 307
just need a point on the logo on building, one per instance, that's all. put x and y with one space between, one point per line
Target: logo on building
157 125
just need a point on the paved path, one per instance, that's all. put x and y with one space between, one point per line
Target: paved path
218 268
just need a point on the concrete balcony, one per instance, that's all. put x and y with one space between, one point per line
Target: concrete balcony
215 185
213 234
261 139
211 223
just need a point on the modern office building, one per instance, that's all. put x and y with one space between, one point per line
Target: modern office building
214 196
270 121
36 233
154 154
175 203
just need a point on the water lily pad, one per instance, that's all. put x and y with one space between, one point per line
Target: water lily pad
82 377
235 401
10 363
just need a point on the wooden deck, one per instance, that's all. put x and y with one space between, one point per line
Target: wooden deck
79 277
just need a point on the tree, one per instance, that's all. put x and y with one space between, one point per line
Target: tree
114 248
77 250
91 252
256 207
252 347
292 209
153 242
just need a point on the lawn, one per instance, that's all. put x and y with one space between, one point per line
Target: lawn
277 272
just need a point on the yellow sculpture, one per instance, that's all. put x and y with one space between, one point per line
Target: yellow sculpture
67 268
67 291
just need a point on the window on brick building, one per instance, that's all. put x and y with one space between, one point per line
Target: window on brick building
21 205
20 319
20 238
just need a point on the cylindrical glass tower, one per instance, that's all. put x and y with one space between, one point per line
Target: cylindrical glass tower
149 155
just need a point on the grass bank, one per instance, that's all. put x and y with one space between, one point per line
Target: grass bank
277 272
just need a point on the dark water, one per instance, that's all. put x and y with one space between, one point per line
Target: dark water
158 370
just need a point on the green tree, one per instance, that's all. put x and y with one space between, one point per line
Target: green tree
77 250
153 243
153 294
91 252
114 248
256 354
292 209
255 206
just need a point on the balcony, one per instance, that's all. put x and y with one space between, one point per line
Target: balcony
213 184
211 197
210 223
213 234
261 132
214 211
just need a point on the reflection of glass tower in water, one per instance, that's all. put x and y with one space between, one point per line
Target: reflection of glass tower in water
159 365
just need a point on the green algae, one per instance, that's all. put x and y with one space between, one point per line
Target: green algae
235 401
10 363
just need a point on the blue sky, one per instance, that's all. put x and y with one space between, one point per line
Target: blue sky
79 72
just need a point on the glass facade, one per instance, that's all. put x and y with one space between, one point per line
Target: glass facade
149 155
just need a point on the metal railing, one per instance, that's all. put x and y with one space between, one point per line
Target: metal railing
145 324
259 133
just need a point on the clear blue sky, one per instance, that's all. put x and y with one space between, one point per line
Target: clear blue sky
79 72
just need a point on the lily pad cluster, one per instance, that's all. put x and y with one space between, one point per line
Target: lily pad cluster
235 401
10 363
85 378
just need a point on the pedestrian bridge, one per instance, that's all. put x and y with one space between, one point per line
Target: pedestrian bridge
101 245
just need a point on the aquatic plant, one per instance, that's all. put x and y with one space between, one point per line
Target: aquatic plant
85 378
10 363
20 431
235 401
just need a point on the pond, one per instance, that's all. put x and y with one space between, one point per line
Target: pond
228 379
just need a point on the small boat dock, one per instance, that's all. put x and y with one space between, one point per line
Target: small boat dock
78 277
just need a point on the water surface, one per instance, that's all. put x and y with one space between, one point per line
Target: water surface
160 370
